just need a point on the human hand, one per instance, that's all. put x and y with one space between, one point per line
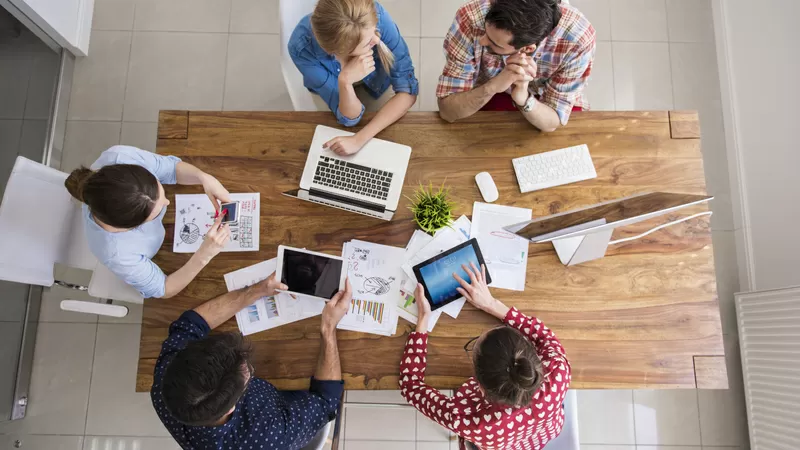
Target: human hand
215 191
526 62
266 287
423 309
336 308
511 74
477 291
216 238
344 145
357 68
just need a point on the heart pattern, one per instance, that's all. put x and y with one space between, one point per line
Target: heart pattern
504 428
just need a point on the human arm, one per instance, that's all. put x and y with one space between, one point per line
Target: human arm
319 80
547 345
391 112
217 311
188 174
213 242
464 104
328 366
541 116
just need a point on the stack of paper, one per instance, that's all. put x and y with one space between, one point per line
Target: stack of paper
506 254
375 275
269 312
420 249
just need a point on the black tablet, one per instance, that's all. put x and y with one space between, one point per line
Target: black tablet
436 274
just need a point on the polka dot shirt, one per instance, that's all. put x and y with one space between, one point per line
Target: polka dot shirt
264 418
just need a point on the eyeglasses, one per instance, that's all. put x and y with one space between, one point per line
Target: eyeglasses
251 372
469 347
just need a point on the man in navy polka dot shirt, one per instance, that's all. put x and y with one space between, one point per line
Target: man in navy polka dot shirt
206 395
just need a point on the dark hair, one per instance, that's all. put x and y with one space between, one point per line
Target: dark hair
206 379
507 367
120 195
529 21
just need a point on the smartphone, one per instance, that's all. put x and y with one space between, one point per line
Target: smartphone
230 211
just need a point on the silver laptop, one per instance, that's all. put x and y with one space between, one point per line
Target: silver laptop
369 182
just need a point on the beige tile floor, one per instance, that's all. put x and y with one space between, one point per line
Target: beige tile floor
223 55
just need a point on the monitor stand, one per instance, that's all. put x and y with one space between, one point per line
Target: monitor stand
579 249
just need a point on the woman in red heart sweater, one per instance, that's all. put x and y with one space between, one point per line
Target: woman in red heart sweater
514 401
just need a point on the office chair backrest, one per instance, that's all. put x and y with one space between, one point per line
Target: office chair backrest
568 439
291 12
40 225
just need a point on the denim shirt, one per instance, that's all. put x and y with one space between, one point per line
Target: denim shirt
321 70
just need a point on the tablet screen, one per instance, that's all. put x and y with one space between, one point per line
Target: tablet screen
311 274
437 276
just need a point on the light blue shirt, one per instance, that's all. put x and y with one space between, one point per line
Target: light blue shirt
128 253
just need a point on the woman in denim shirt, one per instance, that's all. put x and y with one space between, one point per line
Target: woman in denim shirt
344 42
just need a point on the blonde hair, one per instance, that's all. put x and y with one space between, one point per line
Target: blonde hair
337 25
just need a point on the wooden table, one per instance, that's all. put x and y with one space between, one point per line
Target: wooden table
645 316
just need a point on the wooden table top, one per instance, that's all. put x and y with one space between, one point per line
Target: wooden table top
645 316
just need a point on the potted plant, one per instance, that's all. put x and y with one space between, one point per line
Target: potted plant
432 208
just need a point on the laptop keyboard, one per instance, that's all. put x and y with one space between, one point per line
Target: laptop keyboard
355 178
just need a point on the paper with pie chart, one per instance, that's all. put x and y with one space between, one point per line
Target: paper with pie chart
194 215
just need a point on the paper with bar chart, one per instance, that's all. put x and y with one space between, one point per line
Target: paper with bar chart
375 276
269 312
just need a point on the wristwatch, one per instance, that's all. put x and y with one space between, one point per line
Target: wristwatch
530 103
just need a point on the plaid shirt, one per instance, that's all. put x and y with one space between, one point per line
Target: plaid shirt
564 58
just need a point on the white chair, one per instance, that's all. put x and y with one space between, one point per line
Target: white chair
41 225
291 12
568 439
322 436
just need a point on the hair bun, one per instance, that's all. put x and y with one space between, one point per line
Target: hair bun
76 181
522 372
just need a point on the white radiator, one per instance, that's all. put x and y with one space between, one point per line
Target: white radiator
769 336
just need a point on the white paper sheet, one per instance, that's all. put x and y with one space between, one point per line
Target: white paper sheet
443 240
506 254
194 215
269 312
375 276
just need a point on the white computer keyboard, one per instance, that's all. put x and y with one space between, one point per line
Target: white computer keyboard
555 168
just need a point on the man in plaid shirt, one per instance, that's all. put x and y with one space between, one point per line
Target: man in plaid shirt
531 55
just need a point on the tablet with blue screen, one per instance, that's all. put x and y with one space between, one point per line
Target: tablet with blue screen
436 274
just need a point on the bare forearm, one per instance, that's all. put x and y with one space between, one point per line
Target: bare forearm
349 104
464 104
219 310
188 174
543 117
181 278
328 366
391 112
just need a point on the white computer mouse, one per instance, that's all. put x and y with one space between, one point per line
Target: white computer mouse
487 187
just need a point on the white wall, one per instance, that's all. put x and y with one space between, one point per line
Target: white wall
68 22
759 60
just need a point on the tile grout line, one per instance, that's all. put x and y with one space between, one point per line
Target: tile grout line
91 374
127 73
669 55
633 416
227 53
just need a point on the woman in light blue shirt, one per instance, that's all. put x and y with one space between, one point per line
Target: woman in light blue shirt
124 205
348 42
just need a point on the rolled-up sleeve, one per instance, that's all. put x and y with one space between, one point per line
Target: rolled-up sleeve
565 86
402 74
141 273
316 78
460 69
330 391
